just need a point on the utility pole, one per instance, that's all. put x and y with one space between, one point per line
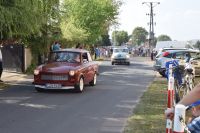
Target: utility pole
151 23
114 36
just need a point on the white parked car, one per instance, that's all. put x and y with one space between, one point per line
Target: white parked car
120 55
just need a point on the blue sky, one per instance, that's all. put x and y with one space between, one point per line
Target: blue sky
180 19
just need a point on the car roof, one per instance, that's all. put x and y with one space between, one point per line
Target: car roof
171 50
163 49
72 50
182 50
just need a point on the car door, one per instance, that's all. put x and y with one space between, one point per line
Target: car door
91 68
86 67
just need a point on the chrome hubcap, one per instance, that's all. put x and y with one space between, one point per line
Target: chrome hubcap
95 79
81 84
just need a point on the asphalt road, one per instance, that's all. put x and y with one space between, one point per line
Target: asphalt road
100 109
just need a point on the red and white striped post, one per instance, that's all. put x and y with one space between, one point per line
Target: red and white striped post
179 118
170 98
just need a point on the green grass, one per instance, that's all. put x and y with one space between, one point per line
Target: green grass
148 116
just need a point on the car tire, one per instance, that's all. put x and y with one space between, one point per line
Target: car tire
94 80
162 74
128 63
80 86
112 63
39 89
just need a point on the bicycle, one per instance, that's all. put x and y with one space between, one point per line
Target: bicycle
183 78
177 73
188 78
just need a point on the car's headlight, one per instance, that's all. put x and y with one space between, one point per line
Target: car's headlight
112 57
71 72
36 72
127 56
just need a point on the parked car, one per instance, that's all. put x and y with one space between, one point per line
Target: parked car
66 69
166 55
120 55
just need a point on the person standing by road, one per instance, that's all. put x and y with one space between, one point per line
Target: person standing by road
1 65
55 46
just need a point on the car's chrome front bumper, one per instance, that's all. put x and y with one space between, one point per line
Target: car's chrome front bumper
120 60
50 88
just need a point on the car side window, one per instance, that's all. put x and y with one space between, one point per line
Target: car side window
179 55
85 57
89 57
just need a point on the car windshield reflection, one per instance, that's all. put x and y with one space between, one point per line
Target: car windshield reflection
120 50
71 57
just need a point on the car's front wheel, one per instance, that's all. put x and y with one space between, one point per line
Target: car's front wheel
112 63
80 86
94 80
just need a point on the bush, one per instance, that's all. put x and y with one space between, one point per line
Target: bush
30 69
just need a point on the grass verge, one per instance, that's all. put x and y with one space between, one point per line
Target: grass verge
148 116
3 86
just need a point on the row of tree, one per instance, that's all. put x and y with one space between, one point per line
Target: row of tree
37 23
138 37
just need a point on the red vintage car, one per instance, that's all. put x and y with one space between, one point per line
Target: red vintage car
66 69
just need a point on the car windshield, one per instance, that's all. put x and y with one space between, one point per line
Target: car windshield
64 56
120 50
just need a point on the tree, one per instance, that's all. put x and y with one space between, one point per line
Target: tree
120 37
105 40
163 38
197 45
49 29
85 21
19 18
139 35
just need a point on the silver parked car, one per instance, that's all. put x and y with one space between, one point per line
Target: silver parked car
166 55
120 55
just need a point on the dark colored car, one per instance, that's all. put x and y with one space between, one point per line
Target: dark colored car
66 69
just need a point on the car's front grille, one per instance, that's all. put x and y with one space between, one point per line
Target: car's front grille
54 77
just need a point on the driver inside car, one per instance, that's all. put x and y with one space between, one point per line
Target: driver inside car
76 58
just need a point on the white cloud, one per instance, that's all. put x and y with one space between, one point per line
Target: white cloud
179 22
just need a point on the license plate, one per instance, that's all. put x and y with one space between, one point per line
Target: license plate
53 86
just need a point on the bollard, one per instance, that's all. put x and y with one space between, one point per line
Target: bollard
179 118
170 97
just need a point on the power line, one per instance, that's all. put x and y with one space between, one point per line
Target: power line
151 22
